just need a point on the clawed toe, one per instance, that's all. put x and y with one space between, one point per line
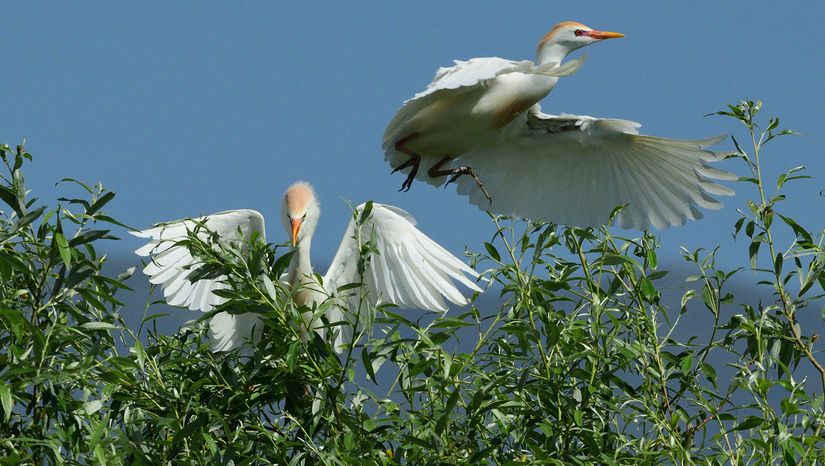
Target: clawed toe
413 162
407 184
456 174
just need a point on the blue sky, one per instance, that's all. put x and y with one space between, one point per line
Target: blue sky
191 108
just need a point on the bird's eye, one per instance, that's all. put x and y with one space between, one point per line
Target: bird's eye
304 217
578 32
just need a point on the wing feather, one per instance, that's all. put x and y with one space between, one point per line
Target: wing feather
471 73
409 269
171 265
577 169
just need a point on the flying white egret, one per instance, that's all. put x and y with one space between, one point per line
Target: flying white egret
409 269
481 118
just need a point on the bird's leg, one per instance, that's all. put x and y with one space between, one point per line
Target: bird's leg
414 162
435 171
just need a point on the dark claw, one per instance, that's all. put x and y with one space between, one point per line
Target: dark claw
413 162
452 179
407 184
457 172
404 165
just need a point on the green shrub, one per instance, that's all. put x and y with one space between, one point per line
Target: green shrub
582 363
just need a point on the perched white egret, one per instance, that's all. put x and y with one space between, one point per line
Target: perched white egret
481 118
409 269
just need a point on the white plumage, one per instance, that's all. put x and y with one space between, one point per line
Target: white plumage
408 270
481 118
576 169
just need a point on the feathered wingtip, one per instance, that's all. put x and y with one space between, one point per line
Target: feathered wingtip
718 155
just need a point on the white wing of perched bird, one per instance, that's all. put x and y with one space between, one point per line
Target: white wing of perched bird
478 123
171 265
409 269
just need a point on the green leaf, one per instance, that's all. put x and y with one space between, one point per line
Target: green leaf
749 229
63 248
20 188
79 183
753 250
282 263
651 259
365 213
270 287
6 400
492 251
100 455
648 290
140 354
10 197
366 359
292 355
99 326
88 237
686 364
450 322
709 296
91 407
615 259
798 230
100 202
786 351
749 423
777 263
441 424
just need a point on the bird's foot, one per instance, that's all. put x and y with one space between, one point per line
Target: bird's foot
414 162
455 173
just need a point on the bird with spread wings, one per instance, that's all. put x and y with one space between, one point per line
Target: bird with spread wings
479 124
407 269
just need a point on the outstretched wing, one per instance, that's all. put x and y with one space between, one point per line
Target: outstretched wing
172 264
407 269
576 169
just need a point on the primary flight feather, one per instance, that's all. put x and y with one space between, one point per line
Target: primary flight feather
479 123
409 269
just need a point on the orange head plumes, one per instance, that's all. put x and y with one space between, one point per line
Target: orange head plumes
567 36
564 25
299 204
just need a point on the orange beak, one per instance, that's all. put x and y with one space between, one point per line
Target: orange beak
296 228
601 35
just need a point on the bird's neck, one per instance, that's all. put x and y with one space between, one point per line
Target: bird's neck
552 53
300 268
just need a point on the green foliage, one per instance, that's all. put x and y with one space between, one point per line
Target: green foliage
582 363
57 314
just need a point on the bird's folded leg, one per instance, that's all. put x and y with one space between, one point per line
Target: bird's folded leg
414 161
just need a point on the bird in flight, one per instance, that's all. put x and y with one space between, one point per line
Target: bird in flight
479 124
407 269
